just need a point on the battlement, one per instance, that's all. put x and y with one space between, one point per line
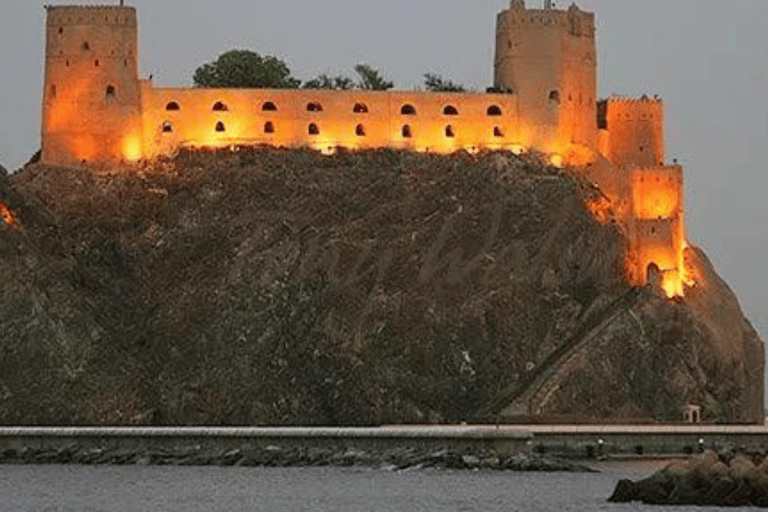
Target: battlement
573 20
627 100
73 15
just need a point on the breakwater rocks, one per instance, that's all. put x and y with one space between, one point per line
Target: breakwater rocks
279 456
725 480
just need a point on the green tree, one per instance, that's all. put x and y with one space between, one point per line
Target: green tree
245 69
324 81
371 79
436 83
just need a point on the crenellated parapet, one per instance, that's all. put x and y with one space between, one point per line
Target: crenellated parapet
70 15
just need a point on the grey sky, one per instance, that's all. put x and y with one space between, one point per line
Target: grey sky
708 59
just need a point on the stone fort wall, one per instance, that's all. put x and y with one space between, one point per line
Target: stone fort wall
324 120
96 110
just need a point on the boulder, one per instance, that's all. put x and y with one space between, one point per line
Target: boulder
704 480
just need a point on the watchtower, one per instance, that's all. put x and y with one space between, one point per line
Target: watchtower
548 58
91 97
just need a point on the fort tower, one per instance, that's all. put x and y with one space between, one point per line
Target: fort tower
91 96
548 58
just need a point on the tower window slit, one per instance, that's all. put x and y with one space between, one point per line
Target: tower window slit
111 93
220 127
449 132
360 130
407 132
313 129
269 127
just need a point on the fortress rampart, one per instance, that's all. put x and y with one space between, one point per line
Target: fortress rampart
97 111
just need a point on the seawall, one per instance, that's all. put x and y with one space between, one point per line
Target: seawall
402 446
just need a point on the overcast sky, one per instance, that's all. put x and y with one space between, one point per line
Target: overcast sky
708 59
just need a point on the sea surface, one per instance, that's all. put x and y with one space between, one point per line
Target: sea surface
197 489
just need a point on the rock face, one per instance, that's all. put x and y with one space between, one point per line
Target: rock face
284 287
708 479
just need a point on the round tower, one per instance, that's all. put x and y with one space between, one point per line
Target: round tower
91 96
547 57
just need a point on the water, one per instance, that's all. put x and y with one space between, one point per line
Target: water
177 489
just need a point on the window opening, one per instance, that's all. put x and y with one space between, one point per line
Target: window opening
61 30
313 129
111 92
360 108
450 110
167 127
408 110
172 105
314 107
269 107
407 133
86 46
494 110
360 130
96 63
269 127
220 107
449 131
220 127
497 132
554 96
53 92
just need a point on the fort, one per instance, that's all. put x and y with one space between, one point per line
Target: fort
96 111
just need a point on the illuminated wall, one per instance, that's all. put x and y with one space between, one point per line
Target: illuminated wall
323 119
632 131
655 226
91 104
548 58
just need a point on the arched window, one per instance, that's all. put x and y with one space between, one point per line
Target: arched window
172 105
554 96
111 93
313 129
407 133
494 110
167 127
360 108
408 110
269 107
450 110
220 127
220 107
314 107
449 131
360 130
269 127
497 132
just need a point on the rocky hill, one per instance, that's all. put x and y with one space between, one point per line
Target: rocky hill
275 287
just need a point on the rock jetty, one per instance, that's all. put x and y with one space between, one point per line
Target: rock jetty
724 480
277 455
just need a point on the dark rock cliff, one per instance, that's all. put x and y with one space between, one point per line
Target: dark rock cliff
284 287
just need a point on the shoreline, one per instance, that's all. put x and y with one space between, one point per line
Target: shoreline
503 447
